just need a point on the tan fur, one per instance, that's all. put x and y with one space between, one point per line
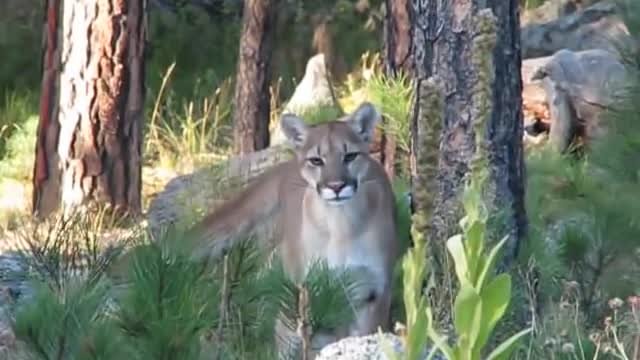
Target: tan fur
358 232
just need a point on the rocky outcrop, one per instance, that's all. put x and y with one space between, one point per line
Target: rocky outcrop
188 196
598 26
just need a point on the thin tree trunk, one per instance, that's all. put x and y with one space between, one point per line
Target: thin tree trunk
398 37
252 98
424 31
397 60
89 137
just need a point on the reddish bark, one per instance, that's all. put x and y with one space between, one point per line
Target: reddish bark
89 138
252 97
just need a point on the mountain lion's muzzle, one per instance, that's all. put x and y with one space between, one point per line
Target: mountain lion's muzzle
335 192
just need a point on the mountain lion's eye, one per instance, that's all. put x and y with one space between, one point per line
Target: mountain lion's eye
349 157
315 161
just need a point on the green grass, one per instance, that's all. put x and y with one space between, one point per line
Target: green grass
16 109
19 151
392 95
182 131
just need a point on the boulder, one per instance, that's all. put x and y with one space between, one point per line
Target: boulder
366 347
575 86
598 26
314 91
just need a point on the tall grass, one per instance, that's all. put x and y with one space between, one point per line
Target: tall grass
183 132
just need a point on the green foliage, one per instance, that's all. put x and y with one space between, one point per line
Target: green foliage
158 303
69 323
331 294
392 95
189 38
418 314
62 247
321 114
181 132
17 114
159 313
168 305
20 46
403 225
66 315
583 213
20 155
582 243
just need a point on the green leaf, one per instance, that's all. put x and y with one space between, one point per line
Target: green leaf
440 343
495 300
468 315
490 261
504 350
456 249
471 200
413 265
417 336
474 237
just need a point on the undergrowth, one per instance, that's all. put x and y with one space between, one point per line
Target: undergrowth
162 305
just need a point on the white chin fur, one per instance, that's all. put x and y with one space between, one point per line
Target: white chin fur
330 196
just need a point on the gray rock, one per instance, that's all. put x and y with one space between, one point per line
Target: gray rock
596 27
364 348
578 86
13 277
314 90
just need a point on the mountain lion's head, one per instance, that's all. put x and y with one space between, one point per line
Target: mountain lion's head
333 156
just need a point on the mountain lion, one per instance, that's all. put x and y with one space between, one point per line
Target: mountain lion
331 202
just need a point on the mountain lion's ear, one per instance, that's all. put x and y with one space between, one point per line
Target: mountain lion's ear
364 120
294 129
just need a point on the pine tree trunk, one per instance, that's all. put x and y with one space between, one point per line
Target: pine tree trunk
442 47
397 59
89 136
397 37
252 97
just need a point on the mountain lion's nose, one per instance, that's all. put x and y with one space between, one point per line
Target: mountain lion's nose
336 186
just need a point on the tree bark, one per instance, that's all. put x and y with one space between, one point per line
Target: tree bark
88 145
423 34
397 37
252 96
442 46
